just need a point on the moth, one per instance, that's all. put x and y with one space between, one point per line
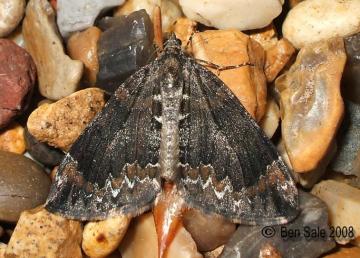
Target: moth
174 121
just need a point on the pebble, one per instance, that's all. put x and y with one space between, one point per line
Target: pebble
351 77
277 57
208 231
315 20
278 53
170 10
184 30
311 103
58 74
17 37
141 241
101 238
231 47
232 14
345 252
270 121
18 75
347 159
78 15
343 203
61 123
353 181
23 184
40 233
11 13
249 241
83 46
309 179
124 47
2 250
45 154
214 253
12 139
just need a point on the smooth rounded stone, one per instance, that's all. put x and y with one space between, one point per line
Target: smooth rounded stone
184 30
170 10
61 123
309 179
11 13
80 14
232 14
266 37
343 203
23 185
311 104
208 231
45 154
40 233
141 241
101 238
231 48
270 121
59 75
12 139
83 46
351 77
315 20
18 75
249 241
345 252
124 47
347 159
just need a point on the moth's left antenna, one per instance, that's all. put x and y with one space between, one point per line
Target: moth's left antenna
158 36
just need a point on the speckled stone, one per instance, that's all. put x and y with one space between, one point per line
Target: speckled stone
40 233
60 124
12 139
249 242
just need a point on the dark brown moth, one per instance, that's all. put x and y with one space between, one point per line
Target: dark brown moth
174 121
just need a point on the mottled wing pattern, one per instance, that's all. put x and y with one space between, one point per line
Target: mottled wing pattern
228 166
112 167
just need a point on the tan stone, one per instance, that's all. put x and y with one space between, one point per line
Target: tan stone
58 74
83 46
270 121
60 124
101 238
277 57
311 104
214 253
2 250
231 48
40 233
11 13
345 252
141 241
184 29
12 139
266 37
343 202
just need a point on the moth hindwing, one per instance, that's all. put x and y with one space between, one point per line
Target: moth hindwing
174 120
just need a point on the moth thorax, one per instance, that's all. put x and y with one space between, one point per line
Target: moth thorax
171 96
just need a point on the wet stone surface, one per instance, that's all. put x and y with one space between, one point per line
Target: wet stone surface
124 47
